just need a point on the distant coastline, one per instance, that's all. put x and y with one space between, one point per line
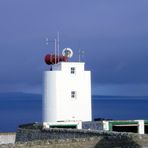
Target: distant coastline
23 95
19 108
110 97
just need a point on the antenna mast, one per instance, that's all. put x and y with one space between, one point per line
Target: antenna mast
81 53
47 40
55 48
58 44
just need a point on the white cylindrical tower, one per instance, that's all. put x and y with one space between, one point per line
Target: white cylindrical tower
67 93
49 97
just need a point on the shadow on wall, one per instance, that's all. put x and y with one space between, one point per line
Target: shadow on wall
107 142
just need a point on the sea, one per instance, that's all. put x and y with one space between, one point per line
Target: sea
21 108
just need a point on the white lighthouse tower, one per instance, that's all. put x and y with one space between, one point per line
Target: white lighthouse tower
67 93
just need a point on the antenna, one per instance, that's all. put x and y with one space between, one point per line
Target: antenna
55 48
58 44
81 54
47 41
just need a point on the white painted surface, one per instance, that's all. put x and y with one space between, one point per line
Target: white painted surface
106 125
49 101
140 126
58 84
7 138
78 124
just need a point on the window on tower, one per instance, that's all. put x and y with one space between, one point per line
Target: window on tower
73 94
73 70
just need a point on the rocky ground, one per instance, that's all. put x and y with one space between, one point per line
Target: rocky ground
75 143
93 142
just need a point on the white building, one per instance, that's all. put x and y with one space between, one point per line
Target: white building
67 95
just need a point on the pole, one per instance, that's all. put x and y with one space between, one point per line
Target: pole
79 55
58 44
55 48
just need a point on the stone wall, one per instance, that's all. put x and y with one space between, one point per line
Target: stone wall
92 125
81 137
24 135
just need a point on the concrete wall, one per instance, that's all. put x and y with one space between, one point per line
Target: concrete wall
6 138
81 138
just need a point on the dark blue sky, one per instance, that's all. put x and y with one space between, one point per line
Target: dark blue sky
113 34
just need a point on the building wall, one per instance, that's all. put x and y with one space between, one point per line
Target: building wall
49 97
6 138
58 105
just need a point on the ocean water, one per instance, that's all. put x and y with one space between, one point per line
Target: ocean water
19 108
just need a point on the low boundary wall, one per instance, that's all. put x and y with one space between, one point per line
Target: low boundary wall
6 138
104 138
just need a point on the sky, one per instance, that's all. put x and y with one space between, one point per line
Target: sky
113 35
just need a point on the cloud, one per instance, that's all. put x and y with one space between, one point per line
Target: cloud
113 35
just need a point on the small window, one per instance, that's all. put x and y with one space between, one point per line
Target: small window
73 94
73 70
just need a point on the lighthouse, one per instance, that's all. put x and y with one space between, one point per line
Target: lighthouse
67 92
